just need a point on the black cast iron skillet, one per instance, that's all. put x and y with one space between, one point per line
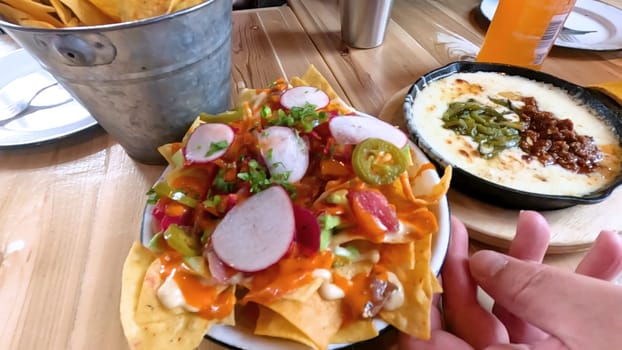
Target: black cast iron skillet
608 109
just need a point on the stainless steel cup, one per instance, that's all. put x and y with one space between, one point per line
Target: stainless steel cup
364 22
143 81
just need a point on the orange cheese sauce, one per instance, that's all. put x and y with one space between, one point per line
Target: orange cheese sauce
199 294
289 274
357 291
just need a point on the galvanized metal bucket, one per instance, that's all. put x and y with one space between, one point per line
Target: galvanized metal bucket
143 81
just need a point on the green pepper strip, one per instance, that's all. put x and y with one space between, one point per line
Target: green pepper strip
162 189
224 117
487 126
378 162
181 241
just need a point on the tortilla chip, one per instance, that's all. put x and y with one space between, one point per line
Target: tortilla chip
398 255
413 317
178 5
31 11
33 23
438 190
305 292
313 77
179 331
12 14
31 7
132 10
65 15
87 13
110 8
355 331
272 324
149 308
316 318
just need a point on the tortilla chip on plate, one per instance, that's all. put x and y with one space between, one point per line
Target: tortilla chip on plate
355 331
272 324
413 317
313 77
316 318
183 331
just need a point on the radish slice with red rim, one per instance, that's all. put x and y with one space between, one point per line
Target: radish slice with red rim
284 152
217 268
208 142
354 129
256 233
301 95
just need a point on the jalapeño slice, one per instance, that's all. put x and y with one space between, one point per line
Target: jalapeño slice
378 162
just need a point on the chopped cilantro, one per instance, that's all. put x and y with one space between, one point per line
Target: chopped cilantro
306 118
221 184
265 111
258 178
216 146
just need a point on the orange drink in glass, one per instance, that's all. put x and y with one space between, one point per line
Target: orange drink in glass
522 32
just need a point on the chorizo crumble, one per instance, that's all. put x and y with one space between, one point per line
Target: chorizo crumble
554 141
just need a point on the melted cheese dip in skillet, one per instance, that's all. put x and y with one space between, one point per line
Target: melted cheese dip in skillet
509 168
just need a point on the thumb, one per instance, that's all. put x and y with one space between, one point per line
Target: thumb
551 299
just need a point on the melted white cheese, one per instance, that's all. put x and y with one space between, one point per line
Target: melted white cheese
508 168
328 290
171 297
397 297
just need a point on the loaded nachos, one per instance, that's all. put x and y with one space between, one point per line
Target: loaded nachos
291 215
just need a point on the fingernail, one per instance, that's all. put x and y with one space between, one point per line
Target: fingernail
486 263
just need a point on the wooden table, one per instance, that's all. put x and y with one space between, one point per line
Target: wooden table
70 210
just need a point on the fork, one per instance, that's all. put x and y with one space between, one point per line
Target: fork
10 107
568 34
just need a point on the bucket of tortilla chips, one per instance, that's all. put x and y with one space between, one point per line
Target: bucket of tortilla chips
289 217
143 69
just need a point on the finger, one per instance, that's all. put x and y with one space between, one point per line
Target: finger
604 260
439 339
549 343
554 300
530 243
532 237
463 315
436 320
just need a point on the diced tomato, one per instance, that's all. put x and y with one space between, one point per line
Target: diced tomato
373 213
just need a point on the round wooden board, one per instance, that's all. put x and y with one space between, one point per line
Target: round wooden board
572 229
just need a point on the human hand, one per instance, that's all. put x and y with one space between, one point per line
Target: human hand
536 306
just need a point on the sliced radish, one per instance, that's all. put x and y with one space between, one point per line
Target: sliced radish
354 129
256 233
307 230
284 152
217 268
208 142
301 95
